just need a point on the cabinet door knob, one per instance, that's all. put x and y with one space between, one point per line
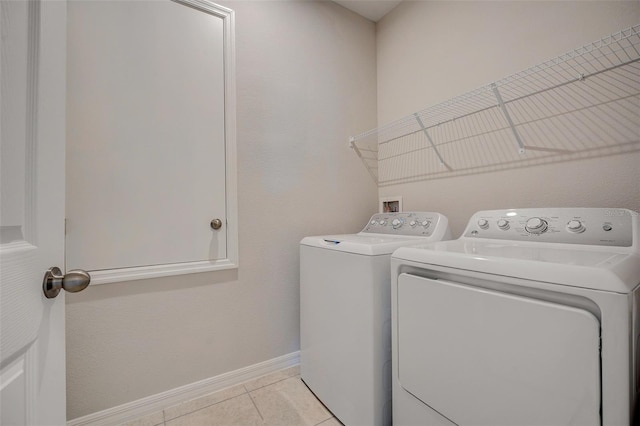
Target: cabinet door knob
216 224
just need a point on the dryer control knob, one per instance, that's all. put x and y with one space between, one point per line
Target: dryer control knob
383 222
503 224
397 223
413 223
425 223
483 223
575 226
535 225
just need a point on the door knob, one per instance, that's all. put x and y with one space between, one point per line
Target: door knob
73 281
216 224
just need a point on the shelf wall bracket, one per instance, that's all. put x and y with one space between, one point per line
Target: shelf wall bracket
521 149
352 145
433 145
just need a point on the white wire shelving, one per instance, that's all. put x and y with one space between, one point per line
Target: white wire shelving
583 104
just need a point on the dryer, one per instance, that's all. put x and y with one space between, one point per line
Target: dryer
345 313
529 318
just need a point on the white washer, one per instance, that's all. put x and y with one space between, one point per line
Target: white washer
530 318
345 313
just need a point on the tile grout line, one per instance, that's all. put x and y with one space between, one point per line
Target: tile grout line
269 384
326 420
331 415
294 376
246 391
254 403
208 406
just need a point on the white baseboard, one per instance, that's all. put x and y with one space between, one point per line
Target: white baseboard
142 407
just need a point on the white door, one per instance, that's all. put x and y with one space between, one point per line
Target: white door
481 357
146 137
32 351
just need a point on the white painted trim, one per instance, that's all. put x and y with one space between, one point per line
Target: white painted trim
151 404
154 271
230 136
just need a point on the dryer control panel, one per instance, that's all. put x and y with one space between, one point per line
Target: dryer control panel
419 224
592 226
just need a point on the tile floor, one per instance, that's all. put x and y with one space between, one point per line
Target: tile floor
278 399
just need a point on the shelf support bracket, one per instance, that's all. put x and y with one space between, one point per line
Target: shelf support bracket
433 145
521 149
352 145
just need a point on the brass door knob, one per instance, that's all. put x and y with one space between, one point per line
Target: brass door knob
216 224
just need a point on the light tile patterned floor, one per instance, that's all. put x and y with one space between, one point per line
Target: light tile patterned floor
278 399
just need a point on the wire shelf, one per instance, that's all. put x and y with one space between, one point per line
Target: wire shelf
582 104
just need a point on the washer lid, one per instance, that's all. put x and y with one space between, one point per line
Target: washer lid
367 244
598 268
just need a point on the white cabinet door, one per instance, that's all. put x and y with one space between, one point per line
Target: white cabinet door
147 160
32 127
480 357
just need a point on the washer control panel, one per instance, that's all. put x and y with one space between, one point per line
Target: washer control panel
593 226
420 224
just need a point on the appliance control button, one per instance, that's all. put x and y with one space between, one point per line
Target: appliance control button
413 223
535 225
607 227
397 223
503 224
383 222
575 226
483 223
374 222
425 223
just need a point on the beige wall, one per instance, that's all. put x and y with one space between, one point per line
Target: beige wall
430 51
306 80
306 74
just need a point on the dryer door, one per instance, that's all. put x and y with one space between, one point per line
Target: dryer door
481 357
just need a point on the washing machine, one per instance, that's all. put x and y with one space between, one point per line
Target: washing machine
345 313
529 318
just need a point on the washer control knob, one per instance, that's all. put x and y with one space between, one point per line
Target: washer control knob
397 223
413 223
535 225
483 223
425 223
374 222
503 224
607 227
575 226
383 222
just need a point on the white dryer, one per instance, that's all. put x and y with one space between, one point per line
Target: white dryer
530 318
345 313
